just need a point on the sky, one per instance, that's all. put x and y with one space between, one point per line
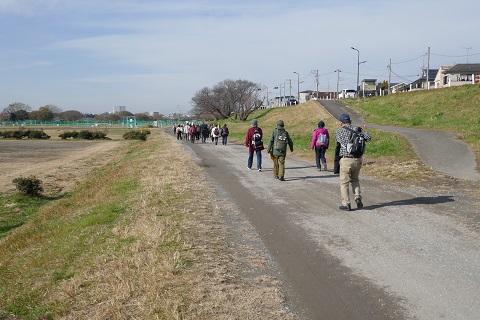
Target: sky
153 56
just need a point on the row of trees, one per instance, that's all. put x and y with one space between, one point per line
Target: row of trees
18 111
229 97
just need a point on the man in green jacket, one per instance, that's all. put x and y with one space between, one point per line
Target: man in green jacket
277 147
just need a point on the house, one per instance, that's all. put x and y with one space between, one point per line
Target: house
462 74
399 87
305 96
422 83
323 95
368 88
316 95
280 101
440 79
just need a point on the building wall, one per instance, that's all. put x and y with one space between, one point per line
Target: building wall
456 80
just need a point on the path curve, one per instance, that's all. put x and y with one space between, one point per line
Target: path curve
442 151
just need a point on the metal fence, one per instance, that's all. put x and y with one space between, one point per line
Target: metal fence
87 123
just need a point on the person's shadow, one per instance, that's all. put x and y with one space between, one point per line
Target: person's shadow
413 201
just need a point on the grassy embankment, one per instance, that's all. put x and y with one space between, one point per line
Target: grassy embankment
452 109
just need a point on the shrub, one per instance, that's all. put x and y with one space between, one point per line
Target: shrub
84 134
30 186
37 134
24 134
135 135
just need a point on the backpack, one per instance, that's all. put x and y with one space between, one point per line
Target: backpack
257 138
322 139
193 130
225 131
356 145
281 140
215 131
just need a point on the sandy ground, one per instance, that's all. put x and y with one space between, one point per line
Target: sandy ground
58 164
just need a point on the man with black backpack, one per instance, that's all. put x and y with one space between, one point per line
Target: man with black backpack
352 146
277 147
254 143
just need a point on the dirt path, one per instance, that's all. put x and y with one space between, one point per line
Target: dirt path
58 164
410 253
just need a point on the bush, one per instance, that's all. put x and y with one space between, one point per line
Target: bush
136 135
24 134
30 186
37 134
84 134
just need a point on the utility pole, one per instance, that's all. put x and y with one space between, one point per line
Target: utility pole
389 76
315 72
338 79
428 69
468 51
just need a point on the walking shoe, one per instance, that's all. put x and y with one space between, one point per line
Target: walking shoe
259 169
359 203
281 179
276 177
345 208
249 168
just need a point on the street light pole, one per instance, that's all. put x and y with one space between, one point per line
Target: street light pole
358 68
298 87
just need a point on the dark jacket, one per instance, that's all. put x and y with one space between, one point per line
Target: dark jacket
271 143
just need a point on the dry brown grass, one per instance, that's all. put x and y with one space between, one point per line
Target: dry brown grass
201 278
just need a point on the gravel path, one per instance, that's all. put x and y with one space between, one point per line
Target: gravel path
409 254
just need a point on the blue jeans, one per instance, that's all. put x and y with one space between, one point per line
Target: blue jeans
224 139
259 158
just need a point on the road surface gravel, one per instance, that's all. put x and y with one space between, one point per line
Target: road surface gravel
408 254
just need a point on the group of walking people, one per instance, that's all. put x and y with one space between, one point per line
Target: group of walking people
348 160
196 132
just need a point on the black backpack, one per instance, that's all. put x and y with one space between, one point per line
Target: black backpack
356 145
257 138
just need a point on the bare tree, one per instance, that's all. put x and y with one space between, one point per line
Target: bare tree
228 97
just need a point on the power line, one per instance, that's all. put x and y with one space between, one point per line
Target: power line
406 61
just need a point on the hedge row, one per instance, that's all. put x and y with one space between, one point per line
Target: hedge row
84 134
24 134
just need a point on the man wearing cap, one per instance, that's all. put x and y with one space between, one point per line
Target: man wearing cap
254 143
349 165
278 149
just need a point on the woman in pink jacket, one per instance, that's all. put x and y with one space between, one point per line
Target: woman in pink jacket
320 142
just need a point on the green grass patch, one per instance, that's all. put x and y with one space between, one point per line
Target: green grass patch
16 209
454 109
